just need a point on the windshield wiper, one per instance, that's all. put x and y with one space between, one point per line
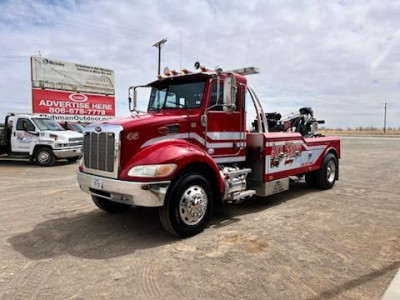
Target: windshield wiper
157 108
181 105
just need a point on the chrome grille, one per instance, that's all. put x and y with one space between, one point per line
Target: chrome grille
75 141
98 151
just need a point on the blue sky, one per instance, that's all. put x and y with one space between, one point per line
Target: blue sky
340 57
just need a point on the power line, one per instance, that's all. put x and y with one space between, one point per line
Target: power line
14 56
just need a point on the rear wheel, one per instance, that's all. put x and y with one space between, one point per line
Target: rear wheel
110 206
326 176
45 157
188 206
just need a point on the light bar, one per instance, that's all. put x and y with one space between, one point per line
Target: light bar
246 71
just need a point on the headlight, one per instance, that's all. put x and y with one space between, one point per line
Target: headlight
53 136
62 144
152 170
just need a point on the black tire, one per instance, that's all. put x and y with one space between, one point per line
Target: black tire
311 179
72 159
174 215
45 157
326 176
110 206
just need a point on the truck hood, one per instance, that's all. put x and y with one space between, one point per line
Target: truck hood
143 130
64 135
156 118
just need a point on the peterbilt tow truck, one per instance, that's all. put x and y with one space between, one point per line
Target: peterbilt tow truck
197 146
39 139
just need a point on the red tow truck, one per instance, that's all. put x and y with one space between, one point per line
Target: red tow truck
204 140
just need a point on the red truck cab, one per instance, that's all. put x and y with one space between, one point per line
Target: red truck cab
197 146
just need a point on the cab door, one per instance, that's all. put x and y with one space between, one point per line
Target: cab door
23 137
225 131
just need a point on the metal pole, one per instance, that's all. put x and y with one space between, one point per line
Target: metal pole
158 45
384 119
159 60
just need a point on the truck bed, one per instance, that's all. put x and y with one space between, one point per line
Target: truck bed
286 154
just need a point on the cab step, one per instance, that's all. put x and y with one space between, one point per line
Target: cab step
235 182
242 195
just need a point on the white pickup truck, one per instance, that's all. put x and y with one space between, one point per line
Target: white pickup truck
38 139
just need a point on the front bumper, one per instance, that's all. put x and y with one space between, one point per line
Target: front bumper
67 153
149 194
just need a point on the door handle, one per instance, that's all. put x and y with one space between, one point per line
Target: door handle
15 133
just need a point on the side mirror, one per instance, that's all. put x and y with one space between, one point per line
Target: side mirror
132 98
230 92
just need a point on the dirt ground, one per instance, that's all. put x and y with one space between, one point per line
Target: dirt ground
303 244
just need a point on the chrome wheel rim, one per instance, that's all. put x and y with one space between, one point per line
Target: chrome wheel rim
43 157
331 171
193 205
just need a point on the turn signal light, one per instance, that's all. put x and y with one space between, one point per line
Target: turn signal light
152 170
185 71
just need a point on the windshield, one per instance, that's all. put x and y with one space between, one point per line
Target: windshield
77 127
47 124
177 95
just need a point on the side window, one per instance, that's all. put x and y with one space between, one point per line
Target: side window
214 96
221 96
251 114
29 125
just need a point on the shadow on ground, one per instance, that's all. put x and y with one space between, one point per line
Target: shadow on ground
98 235
351 284
28 164
92 235
230 213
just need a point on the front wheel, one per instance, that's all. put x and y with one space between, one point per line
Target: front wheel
45 157
188 206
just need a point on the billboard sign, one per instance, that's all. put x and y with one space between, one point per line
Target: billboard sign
72 106
72 92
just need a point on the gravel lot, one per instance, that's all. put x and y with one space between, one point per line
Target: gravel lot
302 244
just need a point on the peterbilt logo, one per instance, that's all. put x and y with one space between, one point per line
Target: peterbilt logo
97 129
78 97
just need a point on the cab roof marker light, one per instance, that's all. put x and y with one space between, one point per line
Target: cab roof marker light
185 71
167 72
174 73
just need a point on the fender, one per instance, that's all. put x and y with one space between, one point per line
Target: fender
179 152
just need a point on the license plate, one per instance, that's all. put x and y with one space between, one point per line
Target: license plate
96 183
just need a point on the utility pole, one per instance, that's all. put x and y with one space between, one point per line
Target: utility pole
159 45
384 119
